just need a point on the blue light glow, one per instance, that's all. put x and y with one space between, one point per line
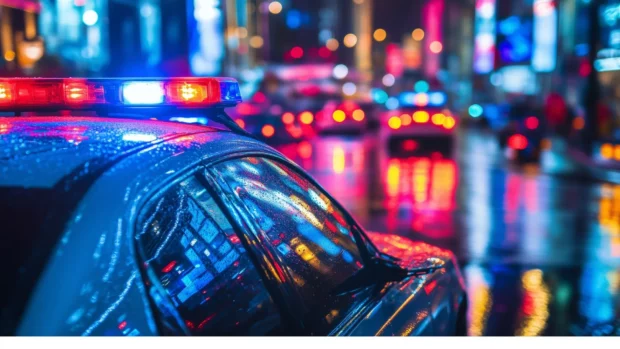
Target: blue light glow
437 98
392 103
475 110
139 92
293 19
407 98
421 86
379 96
230 92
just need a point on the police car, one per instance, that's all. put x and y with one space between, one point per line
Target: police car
422 124
120 219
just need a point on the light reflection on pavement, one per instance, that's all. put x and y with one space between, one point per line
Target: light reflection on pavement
540 254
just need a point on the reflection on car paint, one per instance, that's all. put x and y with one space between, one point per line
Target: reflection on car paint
189 245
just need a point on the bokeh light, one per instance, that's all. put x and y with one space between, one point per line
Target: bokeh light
350 40
418 34
388 80
340 71
394 122
436 47
332 44
275 7
358 115
256 41
349 89
475 110
379 35
339 116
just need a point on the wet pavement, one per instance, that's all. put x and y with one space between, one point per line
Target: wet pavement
540 254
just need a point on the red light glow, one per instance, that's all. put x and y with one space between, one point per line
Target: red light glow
186 92
410 145
241 123
169 267
324 52
531 122
6 93
259 97
518 142
297 52
305 150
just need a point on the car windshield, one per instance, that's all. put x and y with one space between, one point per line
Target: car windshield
32 222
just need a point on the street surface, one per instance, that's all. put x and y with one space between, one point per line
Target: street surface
540 254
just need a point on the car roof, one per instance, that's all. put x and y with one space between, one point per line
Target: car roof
40 151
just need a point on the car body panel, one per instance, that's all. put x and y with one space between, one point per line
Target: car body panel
423 305
93 285
54 146
102 288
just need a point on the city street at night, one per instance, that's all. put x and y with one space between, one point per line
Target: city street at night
540 254
309 168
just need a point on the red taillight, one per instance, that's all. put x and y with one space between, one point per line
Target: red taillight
518 142
531 122
240 122
410 145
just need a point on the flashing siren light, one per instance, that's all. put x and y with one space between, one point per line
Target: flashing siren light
74 93
423 99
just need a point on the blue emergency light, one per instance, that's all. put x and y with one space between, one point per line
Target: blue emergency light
423 99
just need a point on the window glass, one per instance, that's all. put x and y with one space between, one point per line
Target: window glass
202 265
310 234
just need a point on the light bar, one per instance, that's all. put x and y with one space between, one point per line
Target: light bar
422 99
20 94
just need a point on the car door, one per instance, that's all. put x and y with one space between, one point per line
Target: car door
200 275
308 236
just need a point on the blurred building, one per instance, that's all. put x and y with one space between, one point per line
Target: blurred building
20 45
104 37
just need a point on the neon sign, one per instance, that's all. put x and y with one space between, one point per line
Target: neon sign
484 40
206 46
545 35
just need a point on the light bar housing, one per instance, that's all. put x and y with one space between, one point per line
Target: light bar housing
32 94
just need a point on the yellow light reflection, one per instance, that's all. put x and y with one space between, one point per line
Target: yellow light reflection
338 160
304 209
535 307
480 309
393 178
420 180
